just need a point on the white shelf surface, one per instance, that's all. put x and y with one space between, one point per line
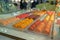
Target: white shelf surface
23 35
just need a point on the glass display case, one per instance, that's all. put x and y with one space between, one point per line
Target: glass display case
40 23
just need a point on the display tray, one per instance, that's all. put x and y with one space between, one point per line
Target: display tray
23 34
